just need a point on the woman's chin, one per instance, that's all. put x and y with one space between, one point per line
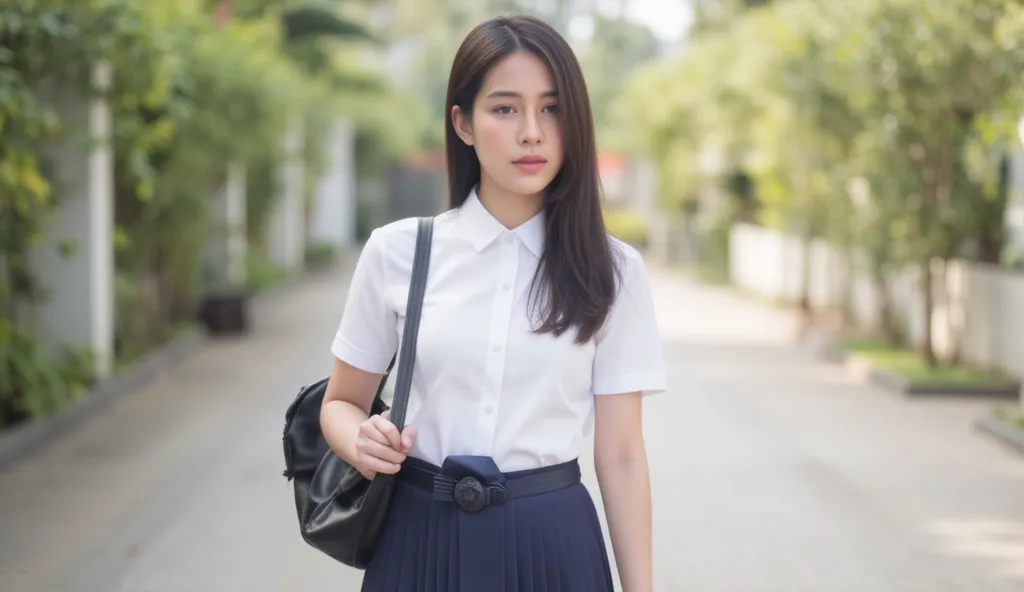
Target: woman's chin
528 184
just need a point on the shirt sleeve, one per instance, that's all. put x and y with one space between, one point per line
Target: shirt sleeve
628 352
366 337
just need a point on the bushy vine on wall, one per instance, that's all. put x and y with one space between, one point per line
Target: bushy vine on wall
187 97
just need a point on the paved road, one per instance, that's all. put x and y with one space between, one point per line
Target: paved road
771 472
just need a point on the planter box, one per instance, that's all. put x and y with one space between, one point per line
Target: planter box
863 368
866 369
226 311
896 382
1001 431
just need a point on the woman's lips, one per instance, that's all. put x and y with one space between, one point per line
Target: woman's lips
530 164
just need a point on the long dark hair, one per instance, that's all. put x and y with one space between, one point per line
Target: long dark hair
577 274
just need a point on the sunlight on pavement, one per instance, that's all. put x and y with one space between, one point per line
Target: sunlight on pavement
711 315
997 540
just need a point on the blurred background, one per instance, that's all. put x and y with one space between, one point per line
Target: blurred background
840 179
160 156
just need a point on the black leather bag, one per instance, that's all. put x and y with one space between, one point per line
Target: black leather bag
341 512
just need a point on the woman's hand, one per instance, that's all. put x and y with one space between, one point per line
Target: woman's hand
379 448
370 445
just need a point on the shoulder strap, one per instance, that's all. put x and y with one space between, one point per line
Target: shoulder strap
414 306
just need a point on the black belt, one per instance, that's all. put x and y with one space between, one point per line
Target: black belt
473 495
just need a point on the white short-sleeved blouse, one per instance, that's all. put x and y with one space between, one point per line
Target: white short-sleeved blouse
483 383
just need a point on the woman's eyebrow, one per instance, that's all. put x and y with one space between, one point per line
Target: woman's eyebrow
516 95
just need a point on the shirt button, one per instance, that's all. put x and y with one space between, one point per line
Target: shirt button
506 286
497 348
488 410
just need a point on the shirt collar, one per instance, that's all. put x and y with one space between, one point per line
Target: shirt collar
482 228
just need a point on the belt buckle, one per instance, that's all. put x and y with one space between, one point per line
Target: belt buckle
470 495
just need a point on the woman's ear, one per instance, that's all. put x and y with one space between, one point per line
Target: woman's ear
463 125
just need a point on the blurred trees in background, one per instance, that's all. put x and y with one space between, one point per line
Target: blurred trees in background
202 85
878 125
433 29
197 84
881 126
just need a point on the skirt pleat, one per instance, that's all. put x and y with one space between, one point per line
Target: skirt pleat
551 542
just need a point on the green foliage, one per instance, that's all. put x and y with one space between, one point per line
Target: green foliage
615 49
911 366
320 254
35 383
261 272
313 21
879 123
626 225
41 41
710 16
1013 418
392 126
803 89
187 97
233 94
48 48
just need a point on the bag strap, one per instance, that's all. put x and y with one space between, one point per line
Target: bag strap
414 307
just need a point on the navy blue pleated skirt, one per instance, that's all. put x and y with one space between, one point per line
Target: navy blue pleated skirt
548 542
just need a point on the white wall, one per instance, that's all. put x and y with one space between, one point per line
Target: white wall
983 316
226 244
1015 207
80 308
334 206
286 240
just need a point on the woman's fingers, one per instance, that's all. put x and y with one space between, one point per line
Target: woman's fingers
389 431
408 437
383 452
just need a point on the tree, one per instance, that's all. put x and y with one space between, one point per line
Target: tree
930 90
911 102
308 28
616 48
716 15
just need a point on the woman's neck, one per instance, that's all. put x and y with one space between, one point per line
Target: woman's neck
510 209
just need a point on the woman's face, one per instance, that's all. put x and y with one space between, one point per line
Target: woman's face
514 126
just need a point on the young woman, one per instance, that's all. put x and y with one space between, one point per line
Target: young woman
536 327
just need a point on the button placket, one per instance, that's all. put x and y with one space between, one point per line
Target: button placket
501 315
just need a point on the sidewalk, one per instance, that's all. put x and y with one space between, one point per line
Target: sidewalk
178 487
771 472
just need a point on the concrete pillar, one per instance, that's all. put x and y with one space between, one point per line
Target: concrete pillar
1015 204
226 245
287 239
235 218
373 195
75 260
334 205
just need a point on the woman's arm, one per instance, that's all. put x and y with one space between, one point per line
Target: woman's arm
346 405
620 458
365 341
372 445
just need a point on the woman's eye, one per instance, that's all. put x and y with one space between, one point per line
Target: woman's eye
507 110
